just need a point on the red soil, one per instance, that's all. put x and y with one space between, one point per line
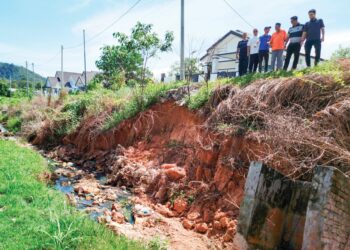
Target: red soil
215 165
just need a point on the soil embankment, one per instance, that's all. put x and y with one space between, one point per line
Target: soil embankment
171 162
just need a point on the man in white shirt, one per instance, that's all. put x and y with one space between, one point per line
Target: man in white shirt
253 51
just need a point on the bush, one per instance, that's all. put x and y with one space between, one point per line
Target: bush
14 124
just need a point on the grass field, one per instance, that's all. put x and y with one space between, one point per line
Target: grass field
34 216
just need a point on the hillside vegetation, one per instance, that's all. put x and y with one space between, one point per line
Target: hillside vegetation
299 118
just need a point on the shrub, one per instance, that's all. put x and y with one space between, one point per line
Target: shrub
14 124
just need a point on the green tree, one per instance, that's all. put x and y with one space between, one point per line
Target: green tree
128 59
191 67
341 53
4 88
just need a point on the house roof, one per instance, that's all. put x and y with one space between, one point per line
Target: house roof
89 76
68 75
237 33
54 83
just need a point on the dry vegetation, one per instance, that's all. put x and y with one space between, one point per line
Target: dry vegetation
300 122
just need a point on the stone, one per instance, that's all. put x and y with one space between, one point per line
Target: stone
168 166
201 228
164 211
187 224
230 233
115 207
224 221
218 215
180 205
175 174
118 217
207 215
217 225
193 216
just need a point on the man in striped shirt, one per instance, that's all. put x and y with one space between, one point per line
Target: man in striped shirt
295 34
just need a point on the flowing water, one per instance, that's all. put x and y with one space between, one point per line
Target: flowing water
66 185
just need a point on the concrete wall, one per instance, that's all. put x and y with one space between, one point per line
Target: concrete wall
273 212
279 213
328 216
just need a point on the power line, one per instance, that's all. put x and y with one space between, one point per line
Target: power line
108 27
238 14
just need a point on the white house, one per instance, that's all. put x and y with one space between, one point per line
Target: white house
220 59
72 81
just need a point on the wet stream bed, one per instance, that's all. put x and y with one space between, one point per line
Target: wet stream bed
90 192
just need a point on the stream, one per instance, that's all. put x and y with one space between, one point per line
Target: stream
67 178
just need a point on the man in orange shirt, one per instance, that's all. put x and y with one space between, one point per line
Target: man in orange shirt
277 43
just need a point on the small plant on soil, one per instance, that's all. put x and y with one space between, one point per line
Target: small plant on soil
158 244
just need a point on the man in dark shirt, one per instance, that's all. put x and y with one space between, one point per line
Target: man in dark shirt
242 55
295 34
314 32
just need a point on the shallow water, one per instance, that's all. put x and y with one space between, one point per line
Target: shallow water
65 185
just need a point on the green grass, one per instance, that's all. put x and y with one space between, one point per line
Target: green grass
137 102
34 216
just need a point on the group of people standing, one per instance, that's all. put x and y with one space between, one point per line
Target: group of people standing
252 52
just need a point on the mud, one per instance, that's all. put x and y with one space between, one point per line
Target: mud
192 178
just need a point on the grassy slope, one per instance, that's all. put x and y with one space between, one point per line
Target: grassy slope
33 216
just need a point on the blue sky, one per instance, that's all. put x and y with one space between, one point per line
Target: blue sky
34 30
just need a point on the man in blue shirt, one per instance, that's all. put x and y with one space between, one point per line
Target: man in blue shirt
264 49
242 55
295 34
314 32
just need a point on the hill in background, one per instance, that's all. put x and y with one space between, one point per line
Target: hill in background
18 73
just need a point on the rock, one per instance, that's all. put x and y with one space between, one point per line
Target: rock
106 212
89 197
218 215
175 174
104 219
224 221
168 166
217 225
230 233
188 224
201 228
115 207
118 217
193 216
233 224
164 211
180 205
143 210
208 215
71 199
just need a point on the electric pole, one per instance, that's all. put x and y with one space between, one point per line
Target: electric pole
62 76
33 83
27 79
182 59
85 77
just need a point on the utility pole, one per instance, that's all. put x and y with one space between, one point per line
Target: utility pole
33 83
182 59
85 77
27 78
62 76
